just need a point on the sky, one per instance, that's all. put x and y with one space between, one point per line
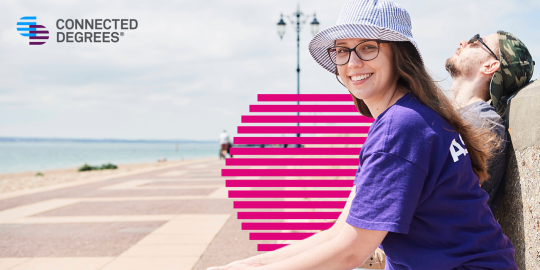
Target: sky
192 68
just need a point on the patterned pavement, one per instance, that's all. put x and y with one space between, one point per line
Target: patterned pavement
173 218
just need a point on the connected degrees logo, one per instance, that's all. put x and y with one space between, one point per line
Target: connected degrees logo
77 30
28 27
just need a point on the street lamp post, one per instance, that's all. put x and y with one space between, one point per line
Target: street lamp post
297 19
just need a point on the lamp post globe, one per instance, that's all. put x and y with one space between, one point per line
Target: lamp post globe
314 25
281 27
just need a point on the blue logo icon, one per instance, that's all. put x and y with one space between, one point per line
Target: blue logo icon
28 27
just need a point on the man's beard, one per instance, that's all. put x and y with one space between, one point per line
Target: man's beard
452 68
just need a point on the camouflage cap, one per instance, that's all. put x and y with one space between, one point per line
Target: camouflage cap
516 70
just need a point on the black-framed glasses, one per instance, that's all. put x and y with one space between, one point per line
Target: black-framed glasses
365 50
478 38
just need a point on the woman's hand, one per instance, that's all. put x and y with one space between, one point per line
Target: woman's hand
237 265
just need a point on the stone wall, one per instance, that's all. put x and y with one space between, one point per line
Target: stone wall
519 211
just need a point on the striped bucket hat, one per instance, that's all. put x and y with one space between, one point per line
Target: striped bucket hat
368 19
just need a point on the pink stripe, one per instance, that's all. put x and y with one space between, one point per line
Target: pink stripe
295 151
289 193
302 108
288 204
299 140
304 97
279 236
292 162
288 172
306 119
270 247
289 183
288 226
288 215
301 129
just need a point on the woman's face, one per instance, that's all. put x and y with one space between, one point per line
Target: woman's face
368 79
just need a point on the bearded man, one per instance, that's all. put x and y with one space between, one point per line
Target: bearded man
488 68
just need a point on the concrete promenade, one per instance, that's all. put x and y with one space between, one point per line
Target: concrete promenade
172 218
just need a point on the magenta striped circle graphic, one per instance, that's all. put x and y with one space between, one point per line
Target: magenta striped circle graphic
296 190
27 27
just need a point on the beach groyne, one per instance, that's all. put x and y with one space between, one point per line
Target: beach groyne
519 211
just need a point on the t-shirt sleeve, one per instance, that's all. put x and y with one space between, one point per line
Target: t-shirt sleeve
388 190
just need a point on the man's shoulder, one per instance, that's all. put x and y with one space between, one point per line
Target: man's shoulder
480 113
481 109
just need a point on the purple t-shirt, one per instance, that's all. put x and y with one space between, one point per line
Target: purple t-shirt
415 180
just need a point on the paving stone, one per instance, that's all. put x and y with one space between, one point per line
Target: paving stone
9 263
126 263
165 207
160 251
230 244
186 183
63 263
148 192
71 240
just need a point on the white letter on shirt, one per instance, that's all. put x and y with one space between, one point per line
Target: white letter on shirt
460 150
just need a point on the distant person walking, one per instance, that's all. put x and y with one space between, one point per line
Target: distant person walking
224 142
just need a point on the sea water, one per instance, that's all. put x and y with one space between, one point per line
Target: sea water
20 156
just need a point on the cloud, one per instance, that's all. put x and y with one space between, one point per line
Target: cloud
192 68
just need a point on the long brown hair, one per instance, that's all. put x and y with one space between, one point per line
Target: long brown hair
414 77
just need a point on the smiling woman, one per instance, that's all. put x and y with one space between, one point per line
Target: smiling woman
417 191
369 73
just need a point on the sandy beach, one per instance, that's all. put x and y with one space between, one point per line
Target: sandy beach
29 180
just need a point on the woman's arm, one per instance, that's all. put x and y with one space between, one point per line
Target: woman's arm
301 246
349 249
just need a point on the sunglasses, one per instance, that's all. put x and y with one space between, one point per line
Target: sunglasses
478 38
